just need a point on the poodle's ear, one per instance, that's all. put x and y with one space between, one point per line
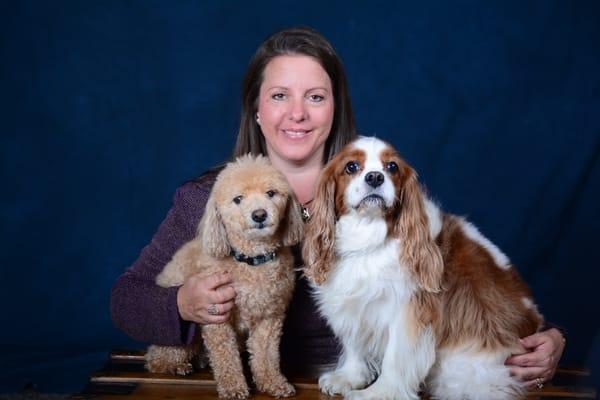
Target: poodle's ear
293 225
418 250
212 231
319 242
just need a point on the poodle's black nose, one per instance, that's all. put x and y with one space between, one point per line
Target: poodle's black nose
374 178
259 215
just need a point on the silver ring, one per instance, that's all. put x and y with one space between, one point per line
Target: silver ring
212 310
539 383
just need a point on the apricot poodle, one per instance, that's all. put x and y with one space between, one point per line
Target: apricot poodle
251 219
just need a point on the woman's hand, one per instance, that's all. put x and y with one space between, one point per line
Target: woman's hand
539 364
206 300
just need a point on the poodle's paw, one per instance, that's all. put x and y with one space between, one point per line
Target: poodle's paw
184 369
279 388
233 392
168 360
336 382
163 367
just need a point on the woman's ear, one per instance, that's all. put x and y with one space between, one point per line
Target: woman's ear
212 231
319 242
418 249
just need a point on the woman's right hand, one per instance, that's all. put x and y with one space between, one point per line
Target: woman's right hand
199 295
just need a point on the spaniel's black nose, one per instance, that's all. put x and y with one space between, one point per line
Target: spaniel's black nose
374 178
259 215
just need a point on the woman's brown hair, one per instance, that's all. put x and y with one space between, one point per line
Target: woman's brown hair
295 41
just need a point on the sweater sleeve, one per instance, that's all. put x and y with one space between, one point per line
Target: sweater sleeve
140 308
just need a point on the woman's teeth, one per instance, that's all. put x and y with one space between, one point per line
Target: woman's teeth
295 133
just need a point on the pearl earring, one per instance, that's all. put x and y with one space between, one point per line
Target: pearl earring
257 119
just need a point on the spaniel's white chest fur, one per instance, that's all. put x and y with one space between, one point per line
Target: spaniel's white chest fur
366 302
367 286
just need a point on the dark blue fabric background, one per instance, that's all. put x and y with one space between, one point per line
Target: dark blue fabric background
106 107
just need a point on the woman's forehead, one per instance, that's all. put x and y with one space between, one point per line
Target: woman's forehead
291 71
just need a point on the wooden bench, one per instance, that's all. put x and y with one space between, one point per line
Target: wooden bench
124 376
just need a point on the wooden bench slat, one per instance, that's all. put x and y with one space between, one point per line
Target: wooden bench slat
126 368
203 380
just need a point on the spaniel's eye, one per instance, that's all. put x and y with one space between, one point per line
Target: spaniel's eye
237 199
351 167
271 193
392 167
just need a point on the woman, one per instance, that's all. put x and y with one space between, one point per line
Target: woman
295 109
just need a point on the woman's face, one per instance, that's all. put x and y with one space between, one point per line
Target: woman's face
295 109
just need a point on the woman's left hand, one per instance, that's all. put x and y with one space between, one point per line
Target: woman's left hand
539 364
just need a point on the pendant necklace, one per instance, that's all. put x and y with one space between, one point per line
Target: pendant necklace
305 212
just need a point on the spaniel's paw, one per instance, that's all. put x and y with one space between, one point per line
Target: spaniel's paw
336 382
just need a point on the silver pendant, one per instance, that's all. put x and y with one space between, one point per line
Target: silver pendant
305 214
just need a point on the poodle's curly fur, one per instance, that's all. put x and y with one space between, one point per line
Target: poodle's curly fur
262 292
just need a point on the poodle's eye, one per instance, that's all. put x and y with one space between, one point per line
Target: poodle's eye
392 167
271 193
237 199
351 167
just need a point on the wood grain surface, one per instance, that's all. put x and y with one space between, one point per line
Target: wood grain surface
124 376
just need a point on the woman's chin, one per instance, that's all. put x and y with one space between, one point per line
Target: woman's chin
300 154
297 149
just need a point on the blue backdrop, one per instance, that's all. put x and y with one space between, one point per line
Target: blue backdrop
106 107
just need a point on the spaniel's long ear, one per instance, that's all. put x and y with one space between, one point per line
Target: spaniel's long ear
318 248
293 230
212 231
418 249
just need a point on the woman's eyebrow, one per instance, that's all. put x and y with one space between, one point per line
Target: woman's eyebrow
308 90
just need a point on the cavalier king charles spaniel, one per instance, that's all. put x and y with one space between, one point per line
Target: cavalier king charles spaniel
418 298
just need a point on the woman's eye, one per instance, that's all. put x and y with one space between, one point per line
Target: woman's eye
392 167
351 167
317 98
278 96
237 199
271 193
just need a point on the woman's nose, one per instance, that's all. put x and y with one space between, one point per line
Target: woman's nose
298 110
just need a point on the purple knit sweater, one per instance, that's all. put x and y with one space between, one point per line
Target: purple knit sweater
148 313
